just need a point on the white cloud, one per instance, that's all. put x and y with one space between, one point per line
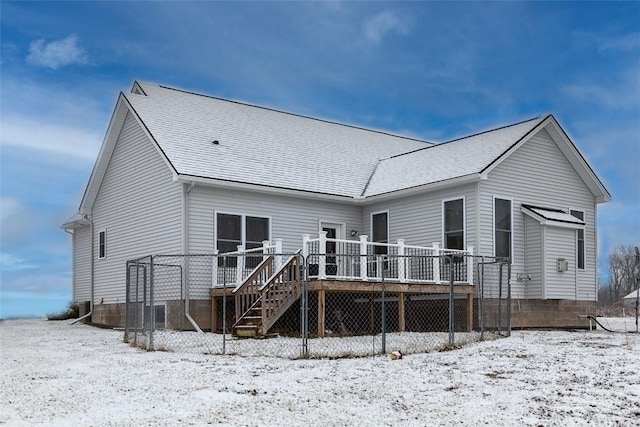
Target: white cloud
621 93
10 262
386 22
626 43
52 138
57 53
9 207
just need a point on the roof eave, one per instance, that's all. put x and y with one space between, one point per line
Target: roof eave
261 188
550 222
461 180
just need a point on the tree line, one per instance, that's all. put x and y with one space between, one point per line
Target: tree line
623 269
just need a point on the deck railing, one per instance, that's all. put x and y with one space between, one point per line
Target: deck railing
368 261
232 268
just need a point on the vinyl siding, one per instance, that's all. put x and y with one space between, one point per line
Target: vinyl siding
82 264
418 218
533 258
560 243
139 206
539 174
290 217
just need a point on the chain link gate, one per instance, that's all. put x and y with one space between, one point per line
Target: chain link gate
198 303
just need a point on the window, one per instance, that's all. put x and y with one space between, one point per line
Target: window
102 244
380 231
235 230
502 228
580 254
453 213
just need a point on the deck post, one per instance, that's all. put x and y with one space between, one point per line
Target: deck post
239 265
214 314
470 265
470 312
214 269
401 261
363 258
305 246
322 262
278 252
321 307
436 262
401 312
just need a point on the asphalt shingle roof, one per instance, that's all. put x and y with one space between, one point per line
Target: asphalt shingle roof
262 146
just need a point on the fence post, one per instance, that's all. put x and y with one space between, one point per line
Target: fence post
152 319
322 262
363 258
470 265
401 261
383 313
239 265
452 323
436 263
278 251
127 304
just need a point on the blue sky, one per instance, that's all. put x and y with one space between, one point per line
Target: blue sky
426 69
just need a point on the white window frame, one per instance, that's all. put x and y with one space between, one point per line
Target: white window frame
493 224
243 226
464 220
584 243
104 233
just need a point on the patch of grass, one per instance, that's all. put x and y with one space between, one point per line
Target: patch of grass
71 312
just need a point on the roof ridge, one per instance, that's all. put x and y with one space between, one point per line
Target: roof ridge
465 137
294 114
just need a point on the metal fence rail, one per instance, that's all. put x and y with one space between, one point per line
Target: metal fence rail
187 303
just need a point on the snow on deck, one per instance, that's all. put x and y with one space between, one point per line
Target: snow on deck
56 374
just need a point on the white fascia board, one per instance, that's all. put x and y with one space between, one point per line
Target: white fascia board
550 222
465 179
212 182
485 174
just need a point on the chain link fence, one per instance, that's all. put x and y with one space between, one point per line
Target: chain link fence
268 304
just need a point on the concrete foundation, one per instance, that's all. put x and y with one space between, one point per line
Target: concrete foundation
536 313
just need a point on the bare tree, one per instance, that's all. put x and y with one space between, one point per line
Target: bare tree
624 273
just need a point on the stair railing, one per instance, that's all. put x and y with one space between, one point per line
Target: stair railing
248 292
279 292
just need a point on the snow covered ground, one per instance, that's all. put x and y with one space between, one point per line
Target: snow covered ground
53 373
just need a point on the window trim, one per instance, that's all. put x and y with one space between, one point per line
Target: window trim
464 220
584 244
102 254
493 224
243 226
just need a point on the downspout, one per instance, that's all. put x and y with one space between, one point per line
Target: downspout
92 275
185 250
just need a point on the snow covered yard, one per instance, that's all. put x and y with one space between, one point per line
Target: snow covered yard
56 374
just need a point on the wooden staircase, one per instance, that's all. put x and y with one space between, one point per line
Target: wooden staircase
265 296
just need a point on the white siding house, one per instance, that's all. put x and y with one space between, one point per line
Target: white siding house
174 166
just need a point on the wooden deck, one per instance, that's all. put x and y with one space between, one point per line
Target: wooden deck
396 289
